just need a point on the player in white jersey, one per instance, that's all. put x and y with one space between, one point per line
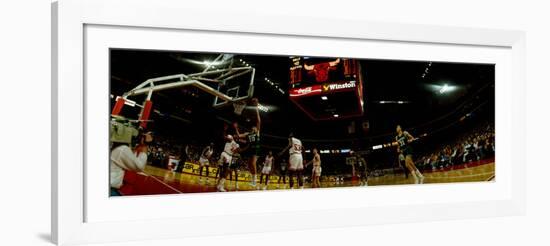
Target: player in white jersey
231 147
295 161
267 169
316 171
204 160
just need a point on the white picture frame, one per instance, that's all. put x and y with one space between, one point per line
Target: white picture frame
82 214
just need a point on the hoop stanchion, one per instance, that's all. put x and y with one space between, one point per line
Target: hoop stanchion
147 107
118 106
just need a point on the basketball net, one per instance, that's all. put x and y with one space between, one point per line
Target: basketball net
239 107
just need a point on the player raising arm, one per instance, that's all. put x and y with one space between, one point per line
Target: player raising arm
253 139
403 140
231 148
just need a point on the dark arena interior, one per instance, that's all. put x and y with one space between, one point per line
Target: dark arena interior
348 109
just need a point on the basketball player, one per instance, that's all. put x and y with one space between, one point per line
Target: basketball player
362 166
226 131
282 173
204 160
234 168
404 139
267 169
123 159
295 160
253 139
401 161
218 170
220 164
231 147
316 171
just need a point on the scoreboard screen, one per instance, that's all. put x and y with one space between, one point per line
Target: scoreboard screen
326 88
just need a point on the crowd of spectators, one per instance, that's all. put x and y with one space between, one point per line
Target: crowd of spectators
166 148
476 145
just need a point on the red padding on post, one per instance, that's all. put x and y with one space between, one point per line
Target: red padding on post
118 106
145 114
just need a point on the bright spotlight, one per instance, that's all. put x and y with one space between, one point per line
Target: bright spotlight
209 63
444 89
324 98
336 115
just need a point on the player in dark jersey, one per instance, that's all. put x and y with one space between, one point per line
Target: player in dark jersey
283 166
401 163
253 139
362 168
234 168
403 140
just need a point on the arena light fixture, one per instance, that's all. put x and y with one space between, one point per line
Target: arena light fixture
377 146
336 115
324 98
211 63
263 108
444 88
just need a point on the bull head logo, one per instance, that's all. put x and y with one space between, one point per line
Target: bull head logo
321 70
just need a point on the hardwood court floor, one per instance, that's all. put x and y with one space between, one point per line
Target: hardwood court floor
162 181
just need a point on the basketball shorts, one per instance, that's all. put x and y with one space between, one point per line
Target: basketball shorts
266 170
296 162
407 151
235 163
203 162
225 158
316 171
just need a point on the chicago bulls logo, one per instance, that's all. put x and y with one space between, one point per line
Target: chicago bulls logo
321 70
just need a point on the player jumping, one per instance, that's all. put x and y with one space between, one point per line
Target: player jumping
404 139
253 139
